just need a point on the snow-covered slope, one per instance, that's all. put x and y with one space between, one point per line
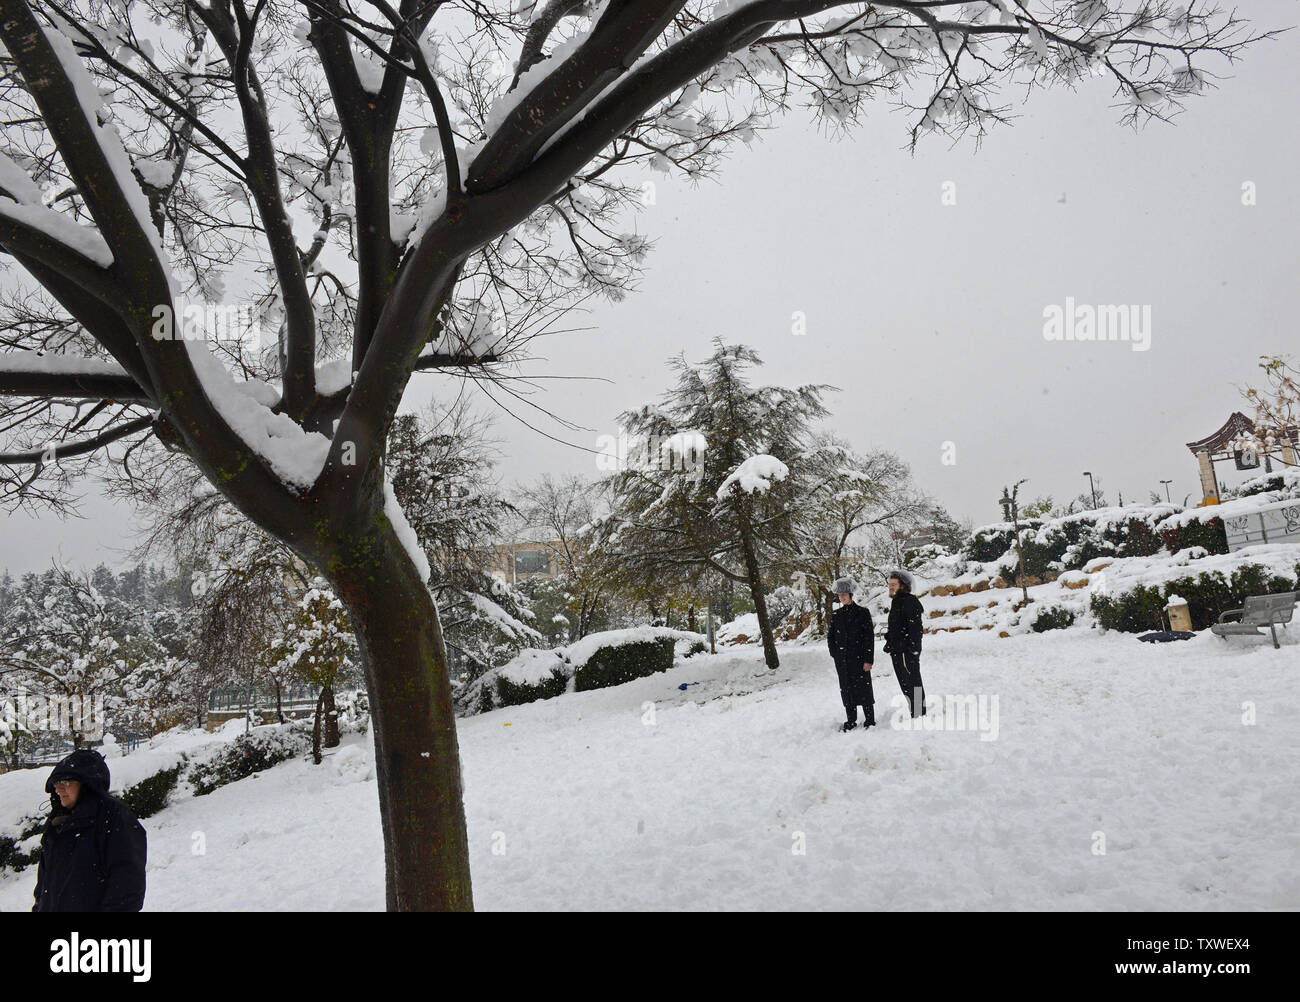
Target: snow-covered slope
591 802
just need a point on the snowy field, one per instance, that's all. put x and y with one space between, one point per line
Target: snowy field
1084 743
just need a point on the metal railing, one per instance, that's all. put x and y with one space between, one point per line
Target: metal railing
239 698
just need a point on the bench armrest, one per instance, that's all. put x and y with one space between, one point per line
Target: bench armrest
1223 616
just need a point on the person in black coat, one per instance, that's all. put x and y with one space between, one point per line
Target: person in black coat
903 640
852 641
92 849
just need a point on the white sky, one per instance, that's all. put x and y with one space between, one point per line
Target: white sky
930 317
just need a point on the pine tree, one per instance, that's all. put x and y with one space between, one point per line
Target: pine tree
714 482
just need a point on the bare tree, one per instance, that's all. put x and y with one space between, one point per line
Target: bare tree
458 184
563 512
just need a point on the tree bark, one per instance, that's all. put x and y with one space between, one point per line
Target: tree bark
315 729
417 757
755 579
331 717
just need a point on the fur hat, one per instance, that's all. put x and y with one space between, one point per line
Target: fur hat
843 586
904 578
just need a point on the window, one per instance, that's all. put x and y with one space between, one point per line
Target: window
533 562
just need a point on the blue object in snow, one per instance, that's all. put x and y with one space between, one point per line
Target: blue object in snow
685 684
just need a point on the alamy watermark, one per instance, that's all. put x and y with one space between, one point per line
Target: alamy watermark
229 323
680 452
84 714
951 712
1110 322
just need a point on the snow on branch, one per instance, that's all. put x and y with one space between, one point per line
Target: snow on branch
294 455
755 475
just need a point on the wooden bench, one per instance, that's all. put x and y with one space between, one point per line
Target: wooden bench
1259 611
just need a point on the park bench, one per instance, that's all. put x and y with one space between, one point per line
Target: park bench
1259 611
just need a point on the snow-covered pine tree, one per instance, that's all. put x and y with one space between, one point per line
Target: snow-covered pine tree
441 468
318 647
82 652
717 479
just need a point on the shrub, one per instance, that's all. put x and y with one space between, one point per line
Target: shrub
697 647
1086 545
989 543
509 693
1134 537
1207 595
247 754
621 663
149 796
13 858
1252 579
1053 617
1209 534
1043 549
1135 611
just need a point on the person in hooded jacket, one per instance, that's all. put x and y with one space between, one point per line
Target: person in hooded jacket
92 848
852 641
903 640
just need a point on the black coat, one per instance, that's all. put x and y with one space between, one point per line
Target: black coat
851 636
93 856
903 634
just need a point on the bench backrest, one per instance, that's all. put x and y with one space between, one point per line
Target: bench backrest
1269 608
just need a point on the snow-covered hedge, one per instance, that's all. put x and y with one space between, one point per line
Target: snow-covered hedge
1069 543
255 751
594 662
1208 594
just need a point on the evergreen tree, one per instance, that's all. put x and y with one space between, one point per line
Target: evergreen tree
715 481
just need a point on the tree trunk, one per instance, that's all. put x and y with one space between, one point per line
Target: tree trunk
279 702
315 729
756 591
331 718
417 758
690 619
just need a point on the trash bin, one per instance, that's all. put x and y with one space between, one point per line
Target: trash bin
1180 616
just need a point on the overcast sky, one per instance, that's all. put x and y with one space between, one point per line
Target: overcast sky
929 317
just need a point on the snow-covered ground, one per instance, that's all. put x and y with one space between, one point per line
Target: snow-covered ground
1098 742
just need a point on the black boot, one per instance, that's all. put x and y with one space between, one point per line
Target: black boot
849 725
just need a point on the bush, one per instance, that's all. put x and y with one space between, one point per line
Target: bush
13 858
1207 595
697 647
1054 617
1135 611
1087 544
149 796
1209 534
247 754
621 663
990 542
1043 550
510 693
1134 537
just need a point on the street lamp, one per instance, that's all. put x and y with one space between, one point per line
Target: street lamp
1167 483
1092 487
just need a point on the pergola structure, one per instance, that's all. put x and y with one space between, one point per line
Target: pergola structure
1226 444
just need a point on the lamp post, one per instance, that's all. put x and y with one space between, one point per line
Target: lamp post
1008 502
1092 487
1167 483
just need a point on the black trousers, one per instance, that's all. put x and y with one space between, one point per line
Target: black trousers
907 669
855 691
